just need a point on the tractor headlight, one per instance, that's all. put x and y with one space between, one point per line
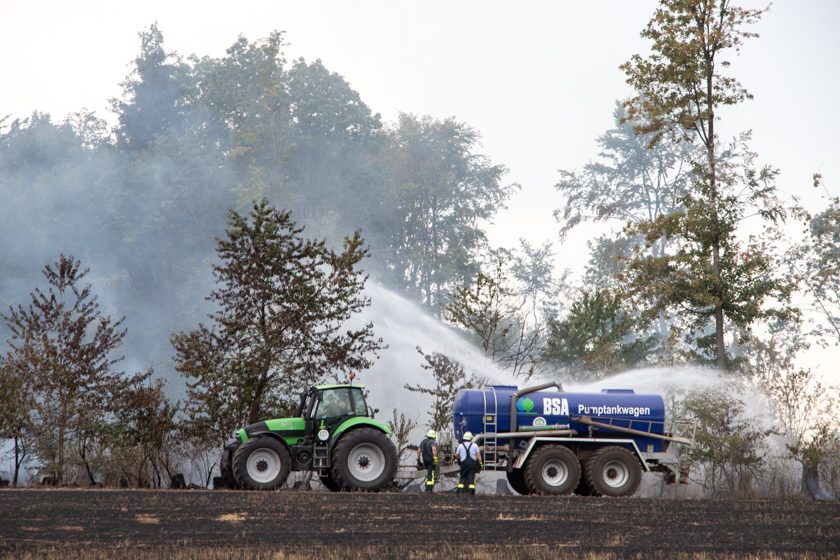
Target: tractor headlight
323 435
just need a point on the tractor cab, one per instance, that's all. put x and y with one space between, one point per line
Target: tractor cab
326 407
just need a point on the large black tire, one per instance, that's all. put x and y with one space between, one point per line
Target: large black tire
329 483
613 471
552 470
228 480
261 463
516 479
364 459
583 487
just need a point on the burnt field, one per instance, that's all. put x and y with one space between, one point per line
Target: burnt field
288 524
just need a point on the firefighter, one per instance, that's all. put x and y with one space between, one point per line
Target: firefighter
427 456
470 461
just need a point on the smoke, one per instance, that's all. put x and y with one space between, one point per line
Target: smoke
404 326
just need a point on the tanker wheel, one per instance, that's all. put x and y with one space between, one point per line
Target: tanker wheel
516 479
261 463
583 487
552 470
329 483
613 471
226 467
364 459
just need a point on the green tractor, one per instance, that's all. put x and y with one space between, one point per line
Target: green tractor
333 434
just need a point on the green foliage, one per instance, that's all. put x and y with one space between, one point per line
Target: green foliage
727 445
282 301
17 406
683 81
61 346
440 194
596 338
449 377
481 308
153 97
712 274
815 263
501 315
631 181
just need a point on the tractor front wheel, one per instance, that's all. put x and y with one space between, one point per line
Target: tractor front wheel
364 459
261 463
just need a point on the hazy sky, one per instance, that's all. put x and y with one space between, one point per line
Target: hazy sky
538 79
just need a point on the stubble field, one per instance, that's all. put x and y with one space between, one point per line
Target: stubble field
113 524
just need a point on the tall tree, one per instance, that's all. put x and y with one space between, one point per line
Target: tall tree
816 263
154 96
282 302
630 182
682 85
441 193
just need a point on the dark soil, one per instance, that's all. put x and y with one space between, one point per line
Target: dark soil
73 520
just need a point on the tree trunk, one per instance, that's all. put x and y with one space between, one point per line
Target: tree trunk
18 461
716 266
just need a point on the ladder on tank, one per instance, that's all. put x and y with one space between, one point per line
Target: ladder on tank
490 422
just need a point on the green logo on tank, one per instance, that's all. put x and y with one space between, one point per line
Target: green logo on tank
525 405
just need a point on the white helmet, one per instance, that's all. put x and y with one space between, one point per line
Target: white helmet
431 434
468 436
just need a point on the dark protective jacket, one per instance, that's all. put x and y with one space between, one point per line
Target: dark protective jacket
426 453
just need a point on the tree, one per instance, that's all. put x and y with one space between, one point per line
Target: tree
402 425
145 436
440 193
503 319
681 87
63 343
154 96
727 445
631 182
17 403
282 303
596 338
449 377
815 262
743 284
802 402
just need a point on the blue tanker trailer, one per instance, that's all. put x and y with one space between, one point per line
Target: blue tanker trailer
554 442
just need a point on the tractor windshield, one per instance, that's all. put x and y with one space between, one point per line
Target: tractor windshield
341 401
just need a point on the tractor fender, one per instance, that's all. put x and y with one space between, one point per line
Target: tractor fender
272 435
359 422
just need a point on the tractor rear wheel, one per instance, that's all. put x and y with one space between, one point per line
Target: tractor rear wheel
613 471
226 467
261 463
552 470
364 459
516 479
